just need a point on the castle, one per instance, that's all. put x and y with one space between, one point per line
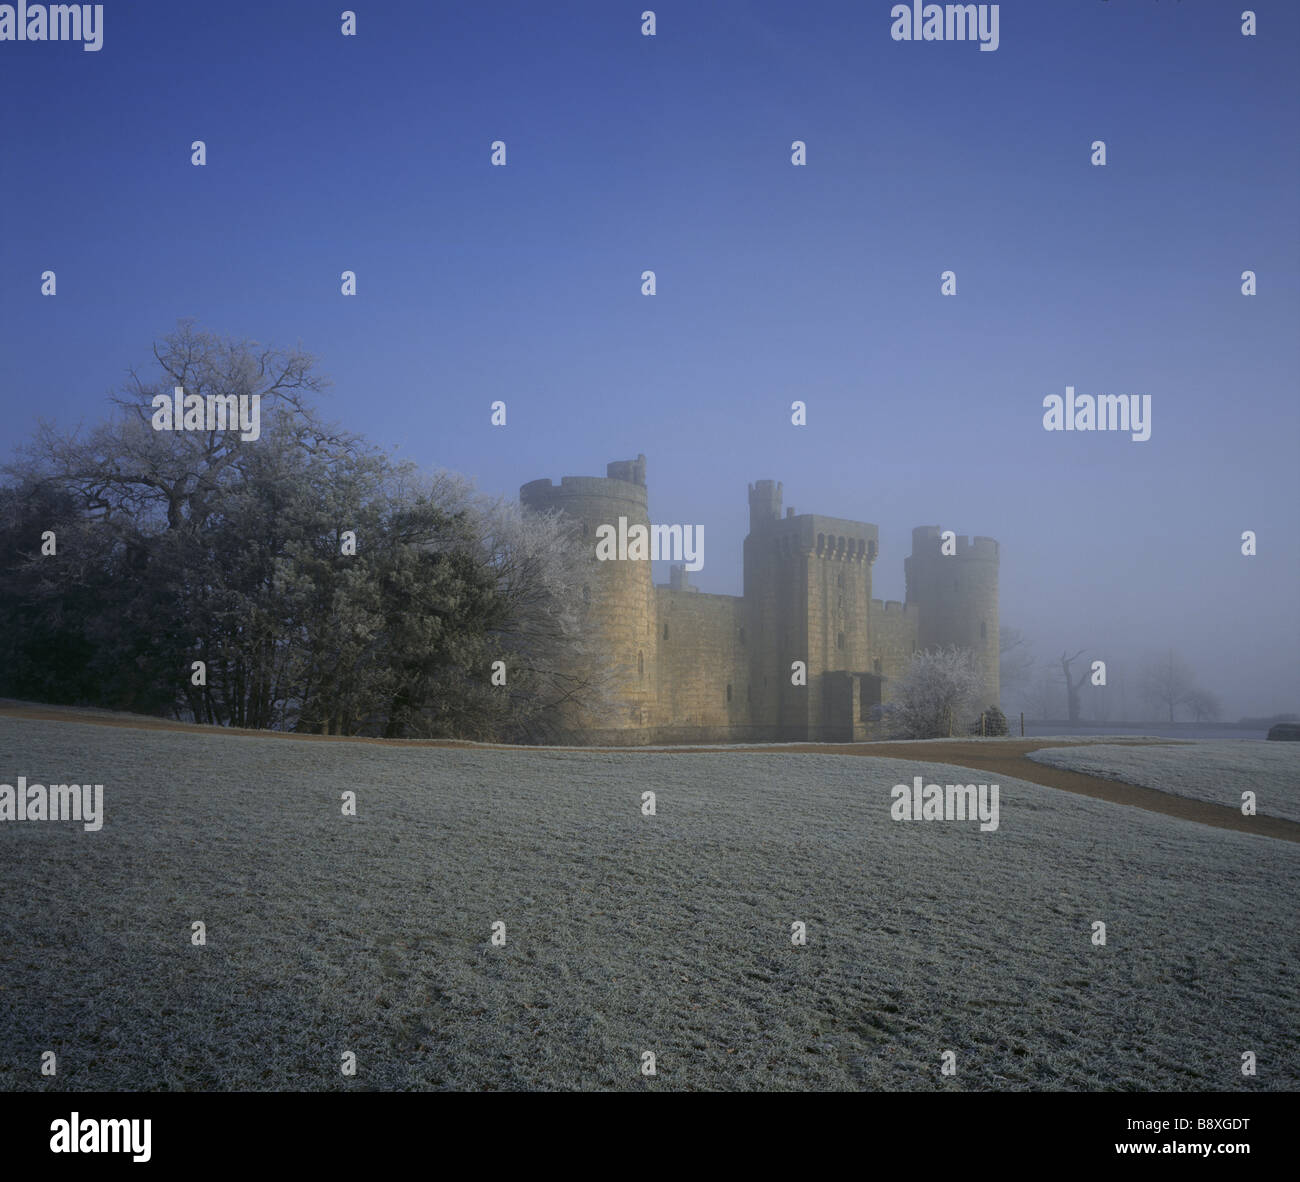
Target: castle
690 667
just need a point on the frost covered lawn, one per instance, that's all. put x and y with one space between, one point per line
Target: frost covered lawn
1216 772
625 933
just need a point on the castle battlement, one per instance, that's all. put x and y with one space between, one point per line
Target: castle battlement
834 539
696 667
927 540
612 489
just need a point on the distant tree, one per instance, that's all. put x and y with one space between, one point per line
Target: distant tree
1166 682
1104 703
1203 705
1044 699
1015 665
937 688
1072 685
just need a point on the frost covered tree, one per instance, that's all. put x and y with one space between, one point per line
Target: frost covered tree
936 692
555 672
319 585
130 475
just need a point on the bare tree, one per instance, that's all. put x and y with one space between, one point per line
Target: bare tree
1044 699
1166 682
1015 665
1203 705
1072 685
126 472
1101 702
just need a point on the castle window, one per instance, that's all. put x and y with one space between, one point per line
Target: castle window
728 693
640 664
841 583
742 636
821 543
665 631
839 640
984 630
877 667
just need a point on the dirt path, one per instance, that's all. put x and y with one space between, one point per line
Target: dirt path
1001 757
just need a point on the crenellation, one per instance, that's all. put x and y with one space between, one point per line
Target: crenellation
697 667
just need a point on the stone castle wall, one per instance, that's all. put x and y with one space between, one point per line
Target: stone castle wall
704 674
689 667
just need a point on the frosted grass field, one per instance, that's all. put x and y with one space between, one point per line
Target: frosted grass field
625 933
1217 772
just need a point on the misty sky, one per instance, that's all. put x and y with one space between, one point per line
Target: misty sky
819 283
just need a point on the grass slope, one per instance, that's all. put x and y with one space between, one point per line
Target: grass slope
1216 772
625 933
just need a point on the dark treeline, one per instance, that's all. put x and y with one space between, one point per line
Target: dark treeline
128 554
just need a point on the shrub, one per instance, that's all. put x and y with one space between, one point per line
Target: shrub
991 722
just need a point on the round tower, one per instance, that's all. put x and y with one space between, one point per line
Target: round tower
957 598
619 594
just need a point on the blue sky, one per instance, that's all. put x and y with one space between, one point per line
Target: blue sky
819 283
